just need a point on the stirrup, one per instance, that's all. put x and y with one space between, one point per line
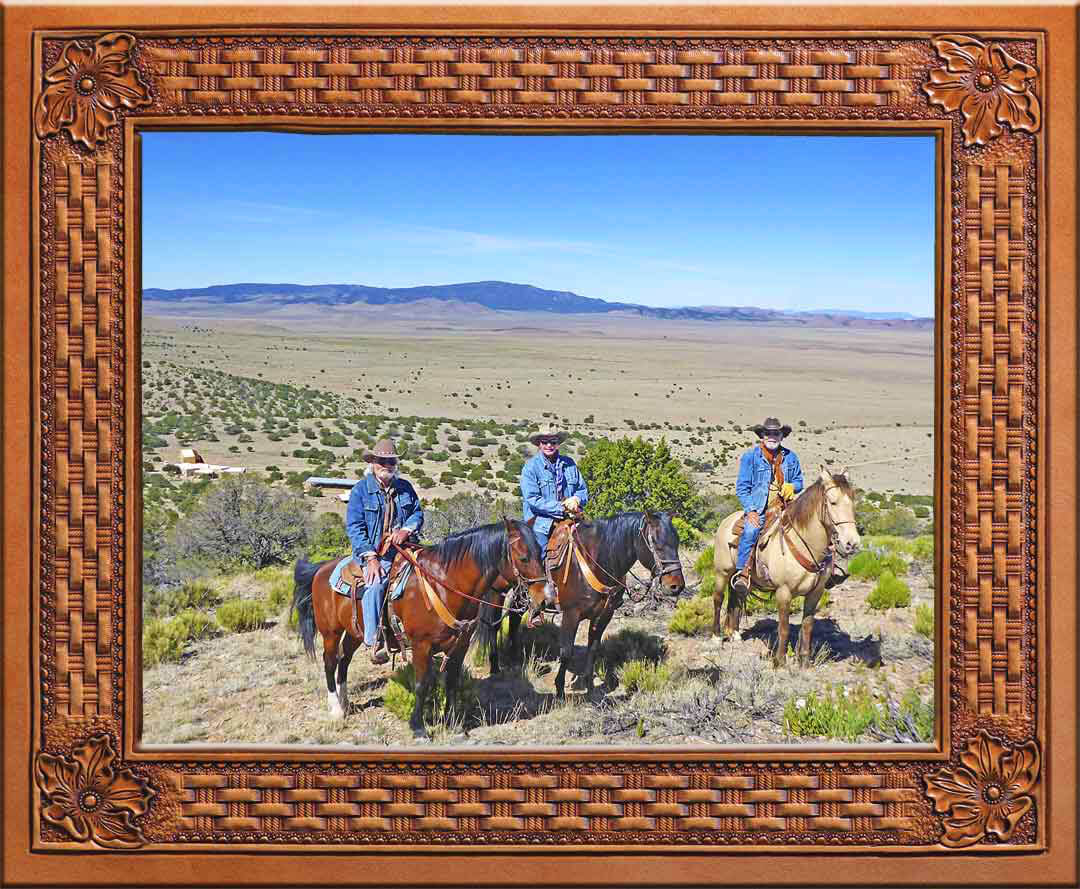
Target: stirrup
740 583
836 578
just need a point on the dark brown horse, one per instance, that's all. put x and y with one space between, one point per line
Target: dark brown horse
464 571
591 579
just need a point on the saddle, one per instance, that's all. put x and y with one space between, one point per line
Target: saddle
772 516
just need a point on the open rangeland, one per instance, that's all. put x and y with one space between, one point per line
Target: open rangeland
853 395
293 392
260 686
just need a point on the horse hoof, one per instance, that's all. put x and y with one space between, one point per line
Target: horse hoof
337 712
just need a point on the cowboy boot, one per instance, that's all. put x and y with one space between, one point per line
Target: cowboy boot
740 581
379 654
836 577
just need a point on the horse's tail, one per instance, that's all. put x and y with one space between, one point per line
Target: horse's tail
303 575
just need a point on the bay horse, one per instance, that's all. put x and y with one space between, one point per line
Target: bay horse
590 580
462 572
795 560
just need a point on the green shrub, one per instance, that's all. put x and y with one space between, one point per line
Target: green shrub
869 565
924 621
706 570
687 533
865 566
899 520
164 639
833 714
919 713
239 615
198 594
692 616
637 676
890 592
400 695
922 548
630 644
278 583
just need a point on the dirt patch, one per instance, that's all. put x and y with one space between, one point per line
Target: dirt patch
260 687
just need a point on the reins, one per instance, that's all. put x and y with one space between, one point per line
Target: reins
444 614
586 560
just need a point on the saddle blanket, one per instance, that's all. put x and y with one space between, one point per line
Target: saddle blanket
340 587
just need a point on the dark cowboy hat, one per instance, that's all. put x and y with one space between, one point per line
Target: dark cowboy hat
771 424
384 449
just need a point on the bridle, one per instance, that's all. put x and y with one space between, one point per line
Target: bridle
666 566
828 522
521 581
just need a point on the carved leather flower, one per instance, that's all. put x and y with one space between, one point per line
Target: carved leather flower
988 794
987 85
88 799
85 87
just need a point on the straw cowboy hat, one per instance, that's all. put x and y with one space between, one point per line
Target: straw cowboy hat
384 449
548 430
771 424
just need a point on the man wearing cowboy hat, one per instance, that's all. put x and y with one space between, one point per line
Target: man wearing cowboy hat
768 474
383 513
552 487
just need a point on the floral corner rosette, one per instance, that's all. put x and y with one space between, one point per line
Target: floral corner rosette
990 88
987 794
86 797
86 87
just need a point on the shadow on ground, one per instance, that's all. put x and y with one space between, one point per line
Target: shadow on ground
841 646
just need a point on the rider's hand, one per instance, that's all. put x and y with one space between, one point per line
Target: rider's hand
753 519
399 536
572 504
372 571
787 490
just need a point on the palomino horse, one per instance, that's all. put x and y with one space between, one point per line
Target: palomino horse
794 560
437 609
590 578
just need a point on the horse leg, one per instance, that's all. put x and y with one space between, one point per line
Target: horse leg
493 654
421 660
330 662
348 648
806 631
783 608
453 679
596 633
514 654
567 632
723 586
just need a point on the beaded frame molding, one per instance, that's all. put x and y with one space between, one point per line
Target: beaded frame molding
980 787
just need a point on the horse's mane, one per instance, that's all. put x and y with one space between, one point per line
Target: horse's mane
807 506
485 545
612 533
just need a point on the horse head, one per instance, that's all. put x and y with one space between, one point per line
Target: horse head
661 551
526 560
839 511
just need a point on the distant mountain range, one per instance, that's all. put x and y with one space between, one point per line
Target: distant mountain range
507 297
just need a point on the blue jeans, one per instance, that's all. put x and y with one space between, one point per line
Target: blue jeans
749 537
373 600
542 539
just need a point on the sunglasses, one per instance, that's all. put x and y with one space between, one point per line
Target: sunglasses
386 461
554 441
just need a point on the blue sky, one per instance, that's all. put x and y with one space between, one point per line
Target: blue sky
786 222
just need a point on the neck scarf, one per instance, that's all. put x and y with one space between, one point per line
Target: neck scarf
775 459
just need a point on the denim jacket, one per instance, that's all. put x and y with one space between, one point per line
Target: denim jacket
755 473
364 516
538 490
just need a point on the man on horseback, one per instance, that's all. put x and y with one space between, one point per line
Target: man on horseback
552 488
383 513
769 474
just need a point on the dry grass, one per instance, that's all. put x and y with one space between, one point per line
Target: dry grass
260 687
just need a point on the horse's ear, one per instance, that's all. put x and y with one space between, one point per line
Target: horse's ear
509 525
650 516
825 477
843 471
531 521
